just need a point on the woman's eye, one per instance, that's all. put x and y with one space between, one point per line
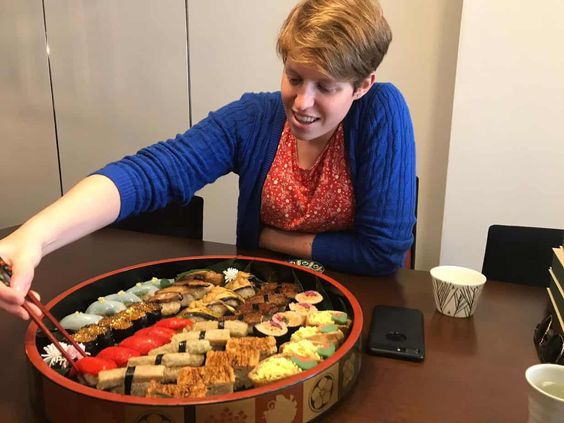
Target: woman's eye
294 81
325 88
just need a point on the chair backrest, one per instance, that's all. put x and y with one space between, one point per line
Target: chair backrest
409 262
520 254
174 220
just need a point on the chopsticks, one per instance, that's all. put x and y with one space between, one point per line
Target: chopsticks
5 276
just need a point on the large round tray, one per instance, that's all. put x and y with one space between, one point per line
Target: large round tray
56 398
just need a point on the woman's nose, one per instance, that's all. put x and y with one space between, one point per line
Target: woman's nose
305 98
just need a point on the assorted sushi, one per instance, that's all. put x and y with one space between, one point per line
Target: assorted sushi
202 333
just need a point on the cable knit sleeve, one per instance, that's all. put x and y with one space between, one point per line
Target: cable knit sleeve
174 170
382 164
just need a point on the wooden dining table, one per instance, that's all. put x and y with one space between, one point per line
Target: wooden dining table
473 370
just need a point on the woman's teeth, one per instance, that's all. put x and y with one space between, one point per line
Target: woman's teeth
305 119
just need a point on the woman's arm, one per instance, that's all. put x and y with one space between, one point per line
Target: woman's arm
296 244
91 204
382 164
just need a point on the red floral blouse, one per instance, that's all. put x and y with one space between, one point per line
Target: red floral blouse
312 200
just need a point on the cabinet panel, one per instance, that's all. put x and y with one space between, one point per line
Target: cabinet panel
119 77
29 172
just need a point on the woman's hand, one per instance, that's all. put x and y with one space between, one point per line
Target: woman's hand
22 253
90 205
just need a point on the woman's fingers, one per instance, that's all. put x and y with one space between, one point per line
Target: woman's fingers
34 309
22 275
15 309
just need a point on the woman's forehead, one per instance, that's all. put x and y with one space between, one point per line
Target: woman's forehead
309 70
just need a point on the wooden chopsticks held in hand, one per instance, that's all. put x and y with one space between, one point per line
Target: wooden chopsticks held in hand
5 276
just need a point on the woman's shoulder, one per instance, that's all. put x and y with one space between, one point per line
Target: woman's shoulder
262 98
384 94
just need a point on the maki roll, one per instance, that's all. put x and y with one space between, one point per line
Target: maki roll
274 328
103 307
302 308
77 320
292 319
310 297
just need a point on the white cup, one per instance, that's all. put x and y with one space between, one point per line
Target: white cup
456 290
546 393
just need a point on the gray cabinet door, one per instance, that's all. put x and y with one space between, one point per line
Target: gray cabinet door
120 78
29 172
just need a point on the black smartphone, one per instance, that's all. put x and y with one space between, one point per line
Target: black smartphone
397 332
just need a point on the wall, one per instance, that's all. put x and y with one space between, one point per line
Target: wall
506 159
422 63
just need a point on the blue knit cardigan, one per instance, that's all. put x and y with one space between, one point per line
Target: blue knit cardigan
243 136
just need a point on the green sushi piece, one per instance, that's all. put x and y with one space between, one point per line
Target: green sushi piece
328 328
326 351
303 363
339 317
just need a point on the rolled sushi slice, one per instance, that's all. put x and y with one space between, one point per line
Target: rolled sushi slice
310 297
103 307
302 308
126 298
78 320
274 328
292 319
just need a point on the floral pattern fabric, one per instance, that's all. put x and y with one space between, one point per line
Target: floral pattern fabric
312 200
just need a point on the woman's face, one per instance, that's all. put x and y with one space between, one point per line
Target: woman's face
314 102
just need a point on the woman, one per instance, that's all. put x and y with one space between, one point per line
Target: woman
326 166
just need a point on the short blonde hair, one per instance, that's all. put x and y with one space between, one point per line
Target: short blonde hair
346 39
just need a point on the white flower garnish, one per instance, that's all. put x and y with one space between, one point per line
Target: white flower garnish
53 356
230 274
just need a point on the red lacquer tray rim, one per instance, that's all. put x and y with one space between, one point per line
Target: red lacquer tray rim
353 337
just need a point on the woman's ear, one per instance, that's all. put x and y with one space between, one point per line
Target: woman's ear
365 85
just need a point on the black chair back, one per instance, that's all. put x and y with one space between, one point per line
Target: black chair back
520 254
174 220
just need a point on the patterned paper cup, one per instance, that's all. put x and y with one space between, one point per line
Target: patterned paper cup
456 290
